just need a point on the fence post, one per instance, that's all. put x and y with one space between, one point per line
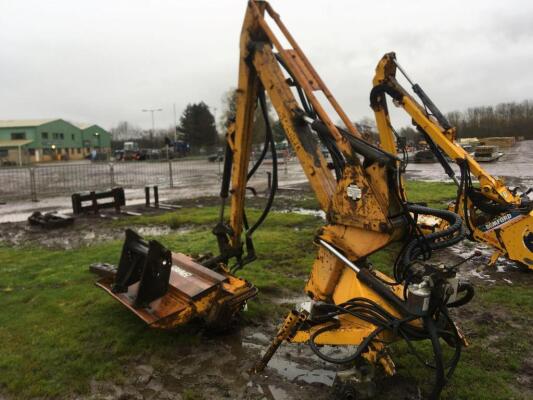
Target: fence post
147 196
170 173
33 186
112 174
156 196
269 180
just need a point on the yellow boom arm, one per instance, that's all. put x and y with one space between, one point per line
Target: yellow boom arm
363 201
507 223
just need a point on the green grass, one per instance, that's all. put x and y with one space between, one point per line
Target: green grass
499 343
58 331
190 394
435 194
209 216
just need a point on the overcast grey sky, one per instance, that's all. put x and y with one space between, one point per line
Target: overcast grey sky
103 61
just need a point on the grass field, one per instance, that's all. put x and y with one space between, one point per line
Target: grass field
57 331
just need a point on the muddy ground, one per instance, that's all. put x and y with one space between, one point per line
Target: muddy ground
219 367
90 228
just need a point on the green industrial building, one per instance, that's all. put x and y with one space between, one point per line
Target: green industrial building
29 141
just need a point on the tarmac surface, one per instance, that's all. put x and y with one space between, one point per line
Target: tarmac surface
515 167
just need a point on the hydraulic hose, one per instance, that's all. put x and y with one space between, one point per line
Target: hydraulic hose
463 287
449 236
261 157
274 187
440 378
269 144
360 348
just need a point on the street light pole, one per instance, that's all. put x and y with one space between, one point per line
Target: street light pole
175 125
152 111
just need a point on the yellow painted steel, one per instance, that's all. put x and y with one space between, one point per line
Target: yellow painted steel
357 227
507 239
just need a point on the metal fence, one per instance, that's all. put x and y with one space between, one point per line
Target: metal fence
33 182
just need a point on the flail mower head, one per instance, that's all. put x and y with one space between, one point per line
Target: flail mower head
167 289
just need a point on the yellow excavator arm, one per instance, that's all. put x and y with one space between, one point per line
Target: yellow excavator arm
494 214
263 67
360 191
351 304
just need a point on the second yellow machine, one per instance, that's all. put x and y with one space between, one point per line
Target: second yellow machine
494 214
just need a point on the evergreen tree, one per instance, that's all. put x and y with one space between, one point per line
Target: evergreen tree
198 125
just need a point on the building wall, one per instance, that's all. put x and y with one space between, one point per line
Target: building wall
59 133
57 140
27 132
11 156
96 137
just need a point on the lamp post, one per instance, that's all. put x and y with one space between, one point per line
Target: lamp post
175 124
152 111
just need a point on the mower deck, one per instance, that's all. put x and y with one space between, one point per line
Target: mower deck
191 291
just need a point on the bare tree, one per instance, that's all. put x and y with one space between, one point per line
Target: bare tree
504 119
124 130
229 100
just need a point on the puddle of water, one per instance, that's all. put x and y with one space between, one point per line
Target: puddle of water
307 211
291 300
294 371
17 211
478 266
74 238
155 230
23 216
296 363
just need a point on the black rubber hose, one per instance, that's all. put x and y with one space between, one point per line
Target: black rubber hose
384 291
269 140
260 159
366 310
460 189
458 343
467 185
325 139
303 99
413 249
440 378
463 287
360 348
438 154
455 222
226 175
336 156
274 187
